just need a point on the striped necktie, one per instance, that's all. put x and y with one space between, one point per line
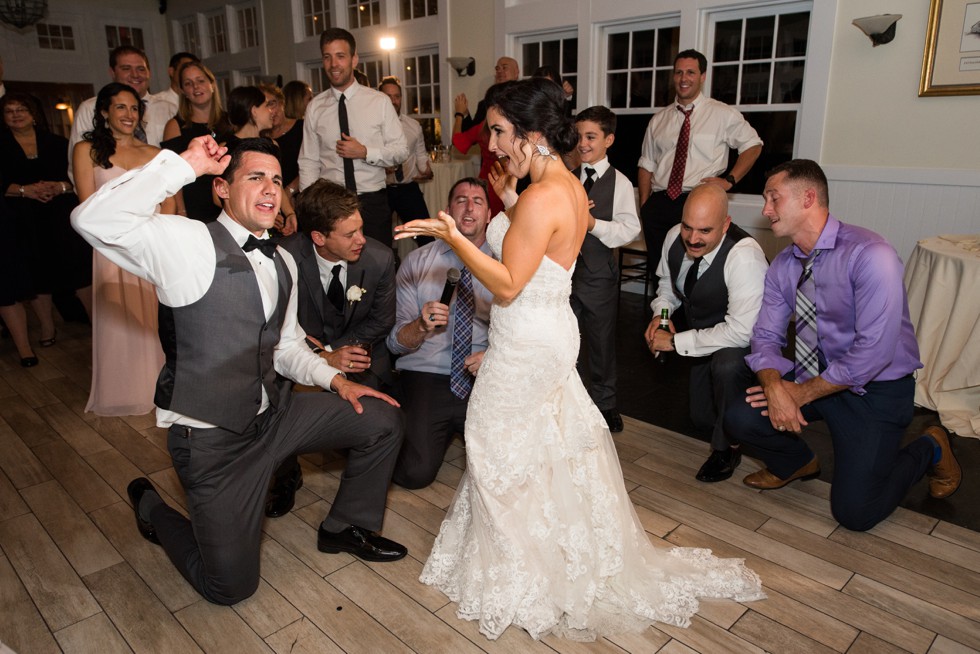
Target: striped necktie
807 344
460 380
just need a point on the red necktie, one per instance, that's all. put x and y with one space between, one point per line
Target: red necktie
676 183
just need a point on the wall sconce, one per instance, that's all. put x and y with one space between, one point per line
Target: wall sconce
880 29
463 65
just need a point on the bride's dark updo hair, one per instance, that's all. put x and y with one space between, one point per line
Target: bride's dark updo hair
537 105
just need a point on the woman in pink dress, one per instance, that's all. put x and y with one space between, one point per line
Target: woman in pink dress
126 352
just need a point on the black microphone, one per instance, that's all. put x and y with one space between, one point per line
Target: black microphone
452 278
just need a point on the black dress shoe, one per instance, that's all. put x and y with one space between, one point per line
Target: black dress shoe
135 490
361 543
613 420
282 495
720 465
29 362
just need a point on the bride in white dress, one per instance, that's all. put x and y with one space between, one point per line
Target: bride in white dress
541 533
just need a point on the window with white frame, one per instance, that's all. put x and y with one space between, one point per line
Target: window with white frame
190 36
248 26
757 64
316 17
316 77
559 51
55 37
217 33
363 13
639 65
420 94
117 35
225 84
373 69
410 9
250 77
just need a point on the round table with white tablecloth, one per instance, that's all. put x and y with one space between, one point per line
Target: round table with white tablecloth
942 278
444 175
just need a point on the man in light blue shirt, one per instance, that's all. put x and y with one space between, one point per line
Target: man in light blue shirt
423 336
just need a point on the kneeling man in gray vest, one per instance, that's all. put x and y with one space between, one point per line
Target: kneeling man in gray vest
232 342
716 271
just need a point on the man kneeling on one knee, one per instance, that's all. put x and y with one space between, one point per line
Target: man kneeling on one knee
855 353
716 271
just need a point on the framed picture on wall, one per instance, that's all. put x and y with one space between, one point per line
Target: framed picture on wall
951 61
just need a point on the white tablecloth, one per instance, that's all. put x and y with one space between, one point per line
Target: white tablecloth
444 175
943 282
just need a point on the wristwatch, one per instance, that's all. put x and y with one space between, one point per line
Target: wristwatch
731 180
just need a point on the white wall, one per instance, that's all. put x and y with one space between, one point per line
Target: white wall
89 63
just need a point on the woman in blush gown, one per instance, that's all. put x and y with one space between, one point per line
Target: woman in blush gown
126 352
541 533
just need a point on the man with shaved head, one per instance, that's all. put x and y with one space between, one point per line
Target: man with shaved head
716 271
506 70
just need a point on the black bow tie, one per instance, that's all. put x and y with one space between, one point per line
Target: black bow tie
267 245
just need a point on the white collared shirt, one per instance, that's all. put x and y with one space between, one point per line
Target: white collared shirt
325 268
625 224
373 122
177 256
715 128
745 276
418 162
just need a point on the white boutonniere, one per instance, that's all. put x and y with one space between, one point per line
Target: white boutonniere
355 293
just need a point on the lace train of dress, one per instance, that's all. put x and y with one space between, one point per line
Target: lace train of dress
541 533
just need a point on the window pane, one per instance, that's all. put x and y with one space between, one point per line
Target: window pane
755 83
531 56
375 13
728 40
433 6
569 57
618 52
641 88
792 39
643 49
724 83
664 92
758 37
411 78
668 45
787 83
425 72
617 90
425 99
352 16
550 55
411 101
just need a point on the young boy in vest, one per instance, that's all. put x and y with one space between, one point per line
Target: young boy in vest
613 222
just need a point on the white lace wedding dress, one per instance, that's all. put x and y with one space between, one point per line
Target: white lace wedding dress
541 533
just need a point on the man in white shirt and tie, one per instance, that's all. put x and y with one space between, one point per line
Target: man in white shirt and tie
351 135
716 271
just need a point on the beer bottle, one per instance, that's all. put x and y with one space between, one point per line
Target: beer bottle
665 326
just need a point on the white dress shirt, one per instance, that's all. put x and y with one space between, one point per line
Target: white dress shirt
169 96
373 122
625 225
745 276
715 128
155 117
418 159
177 256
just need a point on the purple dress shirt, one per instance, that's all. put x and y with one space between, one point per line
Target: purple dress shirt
863 321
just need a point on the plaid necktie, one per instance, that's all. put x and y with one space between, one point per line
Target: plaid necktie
807 344
676 182
140 132
460 380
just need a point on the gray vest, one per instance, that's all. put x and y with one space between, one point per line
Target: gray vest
708 304
594 254
219 349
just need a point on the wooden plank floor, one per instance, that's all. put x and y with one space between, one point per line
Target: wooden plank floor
75 576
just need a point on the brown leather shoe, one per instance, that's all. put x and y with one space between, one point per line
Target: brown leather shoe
946 475
765 480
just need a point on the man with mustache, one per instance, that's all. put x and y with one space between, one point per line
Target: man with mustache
721 303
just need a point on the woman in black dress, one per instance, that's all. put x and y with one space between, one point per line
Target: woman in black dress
287 128
46 255
200 113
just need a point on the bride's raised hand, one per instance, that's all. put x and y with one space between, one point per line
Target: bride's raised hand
442 227
503 183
